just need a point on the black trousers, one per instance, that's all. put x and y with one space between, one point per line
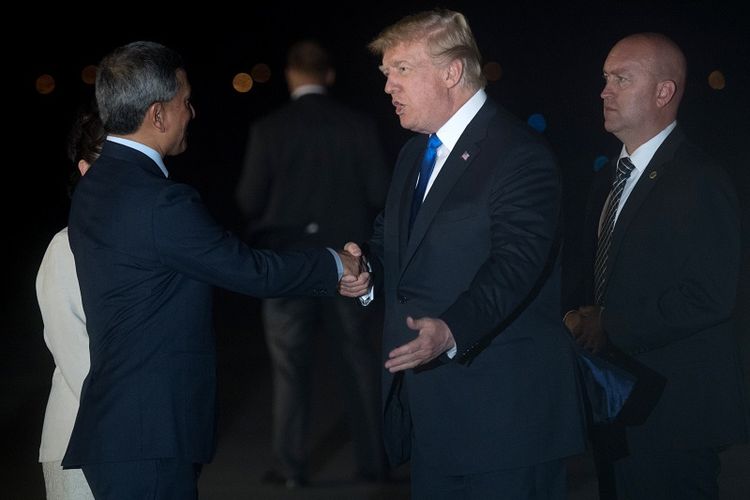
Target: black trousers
662 475
668 475
545 481
292 327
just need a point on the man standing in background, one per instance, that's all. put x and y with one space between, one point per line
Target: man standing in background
314 175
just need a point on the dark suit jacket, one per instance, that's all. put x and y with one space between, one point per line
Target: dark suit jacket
481 256
673 270
313 174
147 254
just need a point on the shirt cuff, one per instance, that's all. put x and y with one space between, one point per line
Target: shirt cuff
339 265
367 298
370 295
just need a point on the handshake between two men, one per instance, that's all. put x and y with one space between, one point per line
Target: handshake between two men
434 337
355 281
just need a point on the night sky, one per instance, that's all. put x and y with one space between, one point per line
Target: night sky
551 59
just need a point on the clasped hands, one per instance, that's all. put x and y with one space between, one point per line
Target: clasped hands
355 281
585 324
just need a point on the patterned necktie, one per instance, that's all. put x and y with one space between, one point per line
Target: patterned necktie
425 170
624 167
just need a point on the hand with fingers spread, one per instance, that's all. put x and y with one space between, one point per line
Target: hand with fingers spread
433 339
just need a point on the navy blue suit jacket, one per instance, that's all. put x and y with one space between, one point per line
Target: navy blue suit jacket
147 254
481 256
672 271
311 163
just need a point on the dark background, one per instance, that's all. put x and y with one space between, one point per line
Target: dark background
551 56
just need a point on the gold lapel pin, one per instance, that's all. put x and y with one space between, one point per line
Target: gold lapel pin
652 175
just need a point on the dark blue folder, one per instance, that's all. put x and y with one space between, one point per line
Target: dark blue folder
617 386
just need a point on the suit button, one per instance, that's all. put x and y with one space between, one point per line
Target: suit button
403 299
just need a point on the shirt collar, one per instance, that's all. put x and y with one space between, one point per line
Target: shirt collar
151 153
310 88
641 157
455 126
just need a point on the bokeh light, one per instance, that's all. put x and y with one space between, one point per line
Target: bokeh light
537 122
492 71
88 74
261 72
242 82
599 162
716 80
45 84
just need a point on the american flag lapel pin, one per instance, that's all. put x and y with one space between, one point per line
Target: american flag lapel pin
465 155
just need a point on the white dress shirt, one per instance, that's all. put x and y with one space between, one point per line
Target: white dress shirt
640 159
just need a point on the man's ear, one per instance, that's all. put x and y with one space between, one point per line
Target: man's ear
155 116
453 72
83 167
665 92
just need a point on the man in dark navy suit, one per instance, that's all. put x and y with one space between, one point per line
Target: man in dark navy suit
663 260
480 389
314 175
147 254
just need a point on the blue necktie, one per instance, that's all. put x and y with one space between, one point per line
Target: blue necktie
425 170
624 167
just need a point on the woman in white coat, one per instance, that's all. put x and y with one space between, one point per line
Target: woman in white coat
65 334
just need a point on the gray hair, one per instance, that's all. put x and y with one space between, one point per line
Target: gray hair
130 79
447 35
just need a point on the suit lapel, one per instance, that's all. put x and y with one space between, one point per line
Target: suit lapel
463 154
646 182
